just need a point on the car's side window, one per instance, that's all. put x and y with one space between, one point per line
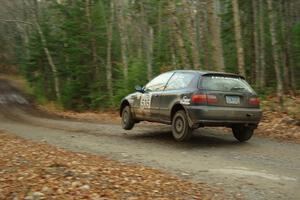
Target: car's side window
180 81
158 83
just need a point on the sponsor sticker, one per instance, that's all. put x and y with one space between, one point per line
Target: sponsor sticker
146 101
185 100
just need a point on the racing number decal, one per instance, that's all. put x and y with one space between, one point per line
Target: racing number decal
145 101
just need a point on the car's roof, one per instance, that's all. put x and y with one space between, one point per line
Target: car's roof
209 73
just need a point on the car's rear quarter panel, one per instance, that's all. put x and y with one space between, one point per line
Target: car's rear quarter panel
171 98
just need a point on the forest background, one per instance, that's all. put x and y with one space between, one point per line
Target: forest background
88 54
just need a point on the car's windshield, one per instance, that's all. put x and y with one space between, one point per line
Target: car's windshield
223 83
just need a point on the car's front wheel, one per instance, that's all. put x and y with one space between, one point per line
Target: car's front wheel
127 119
242 133
180 127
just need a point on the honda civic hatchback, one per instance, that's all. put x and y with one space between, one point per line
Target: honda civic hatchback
190 99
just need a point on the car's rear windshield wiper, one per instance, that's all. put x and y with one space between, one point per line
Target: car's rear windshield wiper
237 88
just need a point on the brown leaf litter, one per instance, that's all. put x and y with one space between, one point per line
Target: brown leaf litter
31 170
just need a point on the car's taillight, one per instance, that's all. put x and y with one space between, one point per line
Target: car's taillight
199 98
204 99
254 101
211 99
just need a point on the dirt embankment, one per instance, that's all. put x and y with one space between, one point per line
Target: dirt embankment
10 94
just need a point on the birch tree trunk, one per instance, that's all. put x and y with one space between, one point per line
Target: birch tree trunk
262 61
256 65
123 36
178 35
149 52
26 29
159 29
108 59
47 52
203 32
148 38
173 57
289 75
275 53
289 10
88 4
215 31
190 26
238 38
285 48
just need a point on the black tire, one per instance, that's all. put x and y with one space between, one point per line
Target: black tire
242 133
180 127
127 119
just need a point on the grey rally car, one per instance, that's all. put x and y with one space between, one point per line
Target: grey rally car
189 99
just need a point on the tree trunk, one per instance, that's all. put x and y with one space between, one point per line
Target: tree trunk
190 26
46 50
215 31
289 76
159 30
238 38
109 44
289 9
88 4
50 61
262 61
173 56
285 48
123 36
178 35
203 32
256 65
149 52
275 48
147 38
26 30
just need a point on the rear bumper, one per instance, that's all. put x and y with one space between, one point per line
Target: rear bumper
223 116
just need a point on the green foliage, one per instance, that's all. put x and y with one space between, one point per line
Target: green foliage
137 76
83 83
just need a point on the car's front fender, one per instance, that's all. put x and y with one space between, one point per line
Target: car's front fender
130 100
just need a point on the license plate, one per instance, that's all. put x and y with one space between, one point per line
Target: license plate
232 99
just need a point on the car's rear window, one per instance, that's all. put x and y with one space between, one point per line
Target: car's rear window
224 83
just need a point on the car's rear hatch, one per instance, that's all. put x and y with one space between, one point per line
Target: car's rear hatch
228 90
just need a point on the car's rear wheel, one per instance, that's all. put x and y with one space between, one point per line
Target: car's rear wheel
242 133
127 119
180 127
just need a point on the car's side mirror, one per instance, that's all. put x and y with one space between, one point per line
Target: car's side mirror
139 89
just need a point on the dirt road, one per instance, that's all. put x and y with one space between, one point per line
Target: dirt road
259 169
